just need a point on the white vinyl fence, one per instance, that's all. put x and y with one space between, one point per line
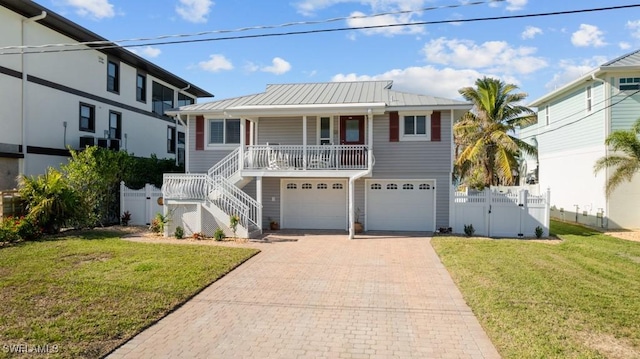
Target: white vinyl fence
496 214
141 203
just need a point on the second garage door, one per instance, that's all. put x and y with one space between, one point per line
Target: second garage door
314 204
400 205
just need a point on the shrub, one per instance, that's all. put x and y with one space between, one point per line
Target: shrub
469 230
50 200
218 235
179 233
539 232
233 223
158 223
28 229
125 218
8 230
13 229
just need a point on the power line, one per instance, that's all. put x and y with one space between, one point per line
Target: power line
306 32
259 27
581 118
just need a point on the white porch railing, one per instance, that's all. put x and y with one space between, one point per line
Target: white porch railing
184 186
227 166
295 157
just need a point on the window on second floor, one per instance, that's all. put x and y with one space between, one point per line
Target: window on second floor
184 100
113 76
162 98
629 83
547 115
141 88
414 127
588 95
224 131
171 139
87 118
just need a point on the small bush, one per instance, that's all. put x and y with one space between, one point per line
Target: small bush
14 229
125 218
8 230
233 223
179 233
469 230
539 232
218 235
158 223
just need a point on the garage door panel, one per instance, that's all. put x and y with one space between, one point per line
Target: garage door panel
314 204
400 205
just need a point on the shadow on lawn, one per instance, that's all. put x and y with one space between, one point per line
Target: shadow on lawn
562 228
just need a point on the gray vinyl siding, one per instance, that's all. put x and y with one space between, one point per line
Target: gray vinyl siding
270 200
201 161
286 131
416 160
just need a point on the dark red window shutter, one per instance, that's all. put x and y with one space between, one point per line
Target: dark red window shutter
247 133
394 127
199 133
435 126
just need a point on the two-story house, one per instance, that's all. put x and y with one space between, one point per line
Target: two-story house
316 156
78 95
573 123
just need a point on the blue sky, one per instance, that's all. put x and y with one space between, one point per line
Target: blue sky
536 53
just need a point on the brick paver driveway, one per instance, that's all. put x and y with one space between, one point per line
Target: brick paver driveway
324 296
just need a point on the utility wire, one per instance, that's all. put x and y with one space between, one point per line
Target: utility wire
259 27
581 118
306 32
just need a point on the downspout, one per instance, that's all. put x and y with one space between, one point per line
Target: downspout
353 178
607 131
24 87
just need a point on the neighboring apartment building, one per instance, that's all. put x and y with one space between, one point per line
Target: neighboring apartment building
316 156
573 123
109 97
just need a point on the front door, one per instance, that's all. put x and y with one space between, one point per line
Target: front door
352 133
352 130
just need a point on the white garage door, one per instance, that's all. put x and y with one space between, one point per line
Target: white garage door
314 204
400 205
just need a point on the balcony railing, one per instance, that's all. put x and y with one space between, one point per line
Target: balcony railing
290 157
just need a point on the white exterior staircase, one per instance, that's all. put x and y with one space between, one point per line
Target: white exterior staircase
217 192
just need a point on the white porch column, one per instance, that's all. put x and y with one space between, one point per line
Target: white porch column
351 200
370 140
243 141
304 142
259 199
252 133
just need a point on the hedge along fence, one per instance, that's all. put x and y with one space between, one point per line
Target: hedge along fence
11 204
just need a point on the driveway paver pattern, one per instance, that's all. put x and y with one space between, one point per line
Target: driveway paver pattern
324 296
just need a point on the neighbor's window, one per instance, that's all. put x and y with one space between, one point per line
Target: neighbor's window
113 76
181 148
588 94
629 83
161 98
171 139
115 125
415 127
224 131
184 100
547 115
141 88
87 118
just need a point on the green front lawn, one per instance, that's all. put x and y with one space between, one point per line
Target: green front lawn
88 294
576 299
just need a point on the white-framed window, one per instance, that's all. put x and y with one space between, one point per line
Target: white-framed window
547 115
588 95
415 126
629 83
325 130
221 132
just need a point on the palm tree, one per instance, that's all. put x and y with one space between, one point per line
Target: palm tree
627 163
487 151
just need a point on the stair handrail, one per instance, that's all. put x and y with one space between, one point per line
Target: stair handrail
229 189
232 205
228 166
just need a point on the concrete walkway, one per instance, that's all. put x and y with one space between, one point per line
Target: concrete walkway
324 296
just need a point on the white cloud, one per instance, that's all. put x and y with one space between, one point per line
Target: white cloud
150 52
588 35
194 10
98 9
310 7
361 21
216 63
634 26
278 66
514 5
426 80
530 32
571 70
492 56
624 45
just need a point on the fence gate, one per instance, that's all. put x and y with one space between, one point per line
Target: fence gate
496 214
143 204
